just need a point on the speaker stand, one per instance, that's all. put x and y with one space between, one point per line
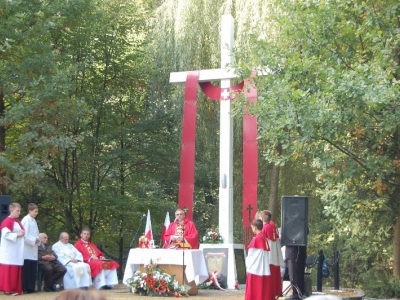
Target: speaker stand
291 287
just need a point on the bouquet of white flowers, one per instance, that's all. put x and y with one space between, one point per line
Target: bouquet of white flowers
212 236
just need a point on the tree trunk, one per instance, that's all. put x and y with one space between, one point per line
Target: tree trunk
396 246
3 189
273 190
121 256
396 234
274 187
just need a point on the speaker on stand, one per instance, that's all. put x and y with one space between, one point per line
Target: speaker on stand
5 201
294 220
294 233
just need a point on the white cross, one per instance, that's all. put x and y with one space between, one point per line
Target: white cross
225 94
226 134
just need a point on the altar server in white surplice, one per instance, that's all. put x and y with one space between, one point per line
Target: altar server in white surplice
78 273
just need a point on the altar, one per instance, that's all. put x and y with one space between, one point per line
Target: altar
188 265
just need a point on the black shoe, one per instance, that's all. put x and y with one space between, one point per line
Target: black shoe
106 287
84 288
48 289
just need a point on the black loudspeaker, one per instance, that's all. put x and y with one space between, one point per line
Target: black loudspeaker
5 201
294 221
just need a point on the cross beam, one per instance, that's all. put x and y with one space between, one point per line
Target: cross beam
204 75
211 75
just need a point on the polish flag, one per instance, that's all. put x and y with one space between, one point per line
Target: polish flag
166 225
148 232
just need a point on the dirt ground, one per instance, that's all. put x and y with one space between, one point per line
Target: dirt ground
121 292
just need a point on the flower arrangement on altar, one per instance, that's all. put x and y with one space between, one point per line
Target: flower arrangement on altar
144 242
213 282
212 236
156 282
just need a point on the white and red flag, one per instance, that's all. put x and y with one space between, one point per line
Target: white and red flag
148 232
165 227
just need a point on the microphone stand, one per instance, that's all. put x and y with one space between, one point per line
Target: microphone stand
183 259
134 237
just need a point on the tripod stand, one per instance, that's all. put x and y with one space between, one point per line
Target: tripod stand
295 266
291 287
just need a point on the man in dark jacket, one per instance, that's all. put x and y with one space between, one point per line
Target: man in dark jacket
296 263
53 272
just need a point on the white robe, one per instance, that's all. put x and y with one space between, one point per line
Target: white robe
12 247
275 253
257 262
78 274
106 277
31 233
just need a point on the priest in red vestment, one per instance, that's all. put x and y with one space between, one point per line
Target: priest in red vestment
181 233
258 279
104 271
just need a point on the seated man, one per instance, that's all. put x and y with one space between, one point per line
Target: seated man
104 271
53 272
181 233
78 272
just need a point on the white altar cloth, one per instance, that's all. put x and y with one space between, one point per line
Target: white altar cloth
195 270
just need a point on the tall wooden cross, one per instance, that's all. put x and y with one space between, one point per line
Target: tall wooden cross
250 162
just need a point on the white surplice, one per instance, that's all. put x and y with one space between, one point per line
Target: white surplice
12 247
31 234
78 274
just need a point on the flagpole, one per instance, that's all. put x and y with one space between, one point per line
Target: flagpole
167 221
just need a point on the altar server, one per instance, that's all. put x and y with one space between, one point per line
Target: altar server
258 280
12 252
32 241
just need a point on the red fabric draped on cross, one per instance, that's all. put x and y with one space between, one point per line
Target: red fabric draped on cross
250 149
250 159
188 149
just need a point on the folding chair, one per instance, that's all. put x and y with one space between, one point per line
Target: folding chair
311 261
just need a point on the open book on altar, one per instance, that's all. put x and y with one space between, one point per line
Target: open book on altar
175 243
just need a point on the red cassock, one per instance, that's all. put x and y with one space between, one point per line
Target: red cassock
88 249
269 230
258 279
11 256
190 234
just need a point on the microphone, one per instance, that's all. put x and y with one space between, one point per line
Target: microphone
142 218
176 220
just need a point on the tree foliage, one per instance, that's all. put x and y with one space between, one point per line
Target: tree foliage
81 140
332 97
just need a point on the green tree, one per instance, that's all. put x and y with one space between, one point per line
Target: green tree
82 140
332 96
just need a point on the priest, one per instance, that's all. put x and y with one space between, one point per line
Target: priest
78 272
104 271
182 233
